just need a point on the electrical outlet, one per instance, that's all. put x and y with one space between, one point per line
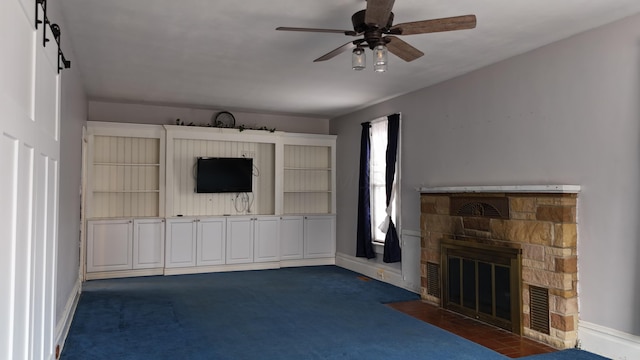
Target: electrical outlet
380 273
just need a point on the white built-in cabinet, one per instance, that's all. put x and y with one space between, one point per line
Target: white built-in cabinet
195 242
307 237
192 242
144 218
109 245
291 237
266 239
240 240
125 244
252 239
148 243
317 241
211 241
181 242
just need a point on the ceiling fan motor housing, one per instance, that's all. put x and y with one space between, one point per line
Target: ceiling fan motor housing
360 26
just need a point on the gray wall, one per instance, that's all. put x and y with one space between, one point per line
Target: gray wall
73 115
167 115
566 113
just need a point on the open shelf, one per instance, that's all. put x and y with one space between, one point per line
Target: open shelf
125 176
308 179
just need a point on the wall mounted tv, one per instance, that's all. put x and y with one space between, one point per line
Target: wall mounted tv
223 175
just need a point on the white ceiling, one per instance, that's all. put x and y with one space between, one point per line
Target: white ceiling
226 54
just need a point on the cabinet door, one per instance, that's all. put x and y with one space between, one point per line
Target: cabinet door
148 243
291 237
109 244
319 236
266 238
181 243
211 241
239 240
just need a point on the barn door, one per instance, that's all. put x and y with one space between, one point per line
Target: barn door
29 164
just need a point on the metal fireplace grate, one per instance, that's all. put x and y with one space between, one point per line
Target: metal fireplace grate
433 279
539 305
483 282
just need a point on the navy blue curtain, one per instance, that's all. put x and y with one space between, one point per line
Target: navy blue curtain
392 251
364 245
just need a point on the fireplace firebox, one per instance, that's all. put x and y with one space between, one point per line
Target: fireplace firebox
483 282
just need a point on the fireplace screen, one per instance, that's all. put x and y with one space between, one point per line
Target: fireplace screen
482 282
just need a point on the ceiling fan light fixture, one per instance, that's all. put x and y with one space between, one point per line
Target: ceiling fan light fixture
358 59
375 29
380 58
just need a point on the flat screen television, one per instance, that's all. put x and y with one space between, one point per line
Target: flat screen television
224 175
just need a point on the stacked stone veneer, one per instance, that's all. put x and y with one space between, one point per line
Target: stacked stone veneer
543 225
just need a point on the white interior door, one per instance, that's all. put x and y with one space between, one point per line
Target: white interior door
29 159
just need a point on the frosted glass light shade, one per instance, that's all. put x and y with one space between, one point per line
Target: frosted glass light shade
358 59
380 58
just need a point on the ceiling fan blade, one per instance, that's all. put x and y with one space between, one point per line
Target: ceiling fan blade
332 31
378 12
330 55
435 25
402 49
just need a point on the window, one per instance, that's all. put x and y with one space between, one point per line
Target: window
377 172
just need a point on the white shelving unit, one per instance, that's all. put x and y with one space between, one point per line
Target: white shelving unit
124 204
309 177
144 217
126 171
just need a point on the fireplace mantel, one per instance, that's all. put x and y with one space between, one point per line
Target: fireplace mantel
542 189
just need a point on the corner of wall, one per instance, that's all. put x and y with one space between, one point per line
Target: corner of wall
373 270
64 324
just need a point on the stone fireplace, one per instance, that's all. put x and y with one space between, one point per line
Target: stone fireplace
536 225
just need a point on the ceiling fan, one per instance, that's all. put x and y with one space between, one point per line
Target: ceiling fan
375 25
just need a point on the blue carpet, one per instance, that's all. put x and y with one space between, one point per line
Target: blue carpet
295 313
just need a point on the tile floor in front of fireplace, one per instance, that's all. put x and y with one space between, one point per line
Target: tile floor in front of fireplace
502 341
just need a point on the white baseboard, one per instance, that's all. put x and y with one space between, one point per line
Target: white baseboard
608 342
372 269
308 262
63 326
249 266
221 268
123 274
210 268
